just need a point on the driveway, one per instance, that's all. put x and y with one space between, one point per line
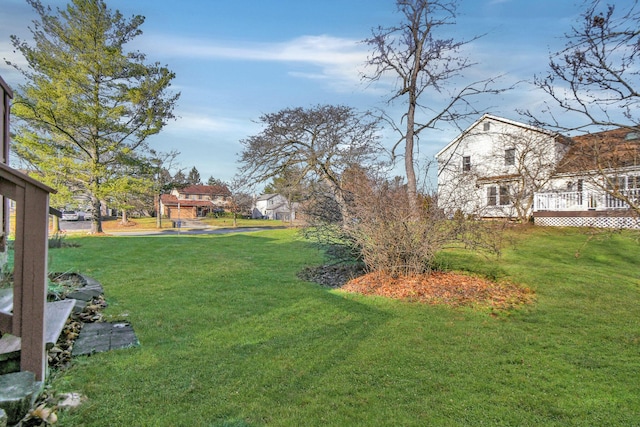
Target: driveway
75 225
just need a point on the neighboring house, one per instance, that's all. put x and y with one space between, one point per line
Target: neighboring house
194 201
499 168
493 168
274 206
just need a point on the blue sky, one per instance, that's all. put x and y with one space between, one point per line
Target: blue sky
236 60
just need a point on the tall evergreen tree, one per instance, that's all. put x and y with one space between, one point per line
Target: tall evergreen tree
179 180
89 101
194 177
215 181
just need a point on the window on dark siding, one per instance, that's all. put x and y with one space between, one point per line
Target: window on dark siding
510 156
466 163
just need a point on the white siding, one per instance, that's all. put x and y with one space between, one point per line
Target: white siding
502 154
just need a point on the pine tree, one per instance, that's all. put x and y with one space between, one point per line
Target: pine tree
194 177
90 102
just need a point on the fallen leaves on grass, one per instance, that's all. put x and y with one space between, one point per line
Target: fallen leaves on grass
451 289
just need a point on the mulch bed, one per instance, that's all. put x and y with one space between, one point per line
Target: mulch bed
447 288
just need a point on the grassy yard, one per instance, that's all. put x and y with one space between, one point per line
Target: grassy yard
230 337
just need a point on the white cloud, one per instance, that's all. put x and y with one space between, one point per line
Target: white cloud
338 59
202 123
321 49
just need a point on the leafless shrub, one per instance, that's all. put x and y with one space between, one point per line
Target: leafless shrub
389 236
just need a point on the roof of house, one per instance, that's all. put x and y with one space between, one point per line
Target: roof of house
266 197
216 190
610 149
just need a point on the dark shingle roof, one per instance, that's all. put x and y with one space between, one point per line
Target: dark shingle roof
602 150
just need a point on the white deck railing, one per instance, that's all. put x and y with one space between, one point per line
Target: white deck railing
583 200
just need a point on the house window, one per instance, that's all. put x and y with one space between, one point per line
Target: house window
616 183
492 196
498 195
466 163
505 198
486 126
633 181
510 156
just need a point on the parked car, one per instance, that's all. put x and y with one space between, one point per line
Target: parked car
87 216
70 216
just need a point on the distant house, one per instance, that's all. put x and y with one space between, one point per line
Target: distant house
500 168
274 206
194 201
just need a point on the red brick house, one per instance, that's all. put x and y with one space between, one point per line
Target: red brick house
194 201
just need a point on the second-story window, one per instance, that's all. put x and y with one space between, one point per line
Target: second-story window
510 156
466 163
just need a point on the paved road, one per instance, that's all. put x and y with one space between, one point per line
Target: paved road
86 226
187 232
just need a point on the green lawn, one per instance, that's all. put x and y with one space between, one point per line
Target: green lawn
230 337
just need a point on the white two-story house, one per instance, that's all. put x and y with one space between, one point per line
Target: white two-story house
493 168
500 168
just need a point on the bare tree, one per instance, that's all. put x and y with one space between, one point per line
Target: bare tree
240 200
159 168
321 142
595 75
424 65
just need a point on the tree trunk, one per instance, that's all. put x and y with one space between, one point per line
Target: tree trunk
125 220
412 186
96 222
159 213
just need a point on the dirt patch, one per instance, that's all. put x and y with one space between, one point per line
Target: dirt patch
333 276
